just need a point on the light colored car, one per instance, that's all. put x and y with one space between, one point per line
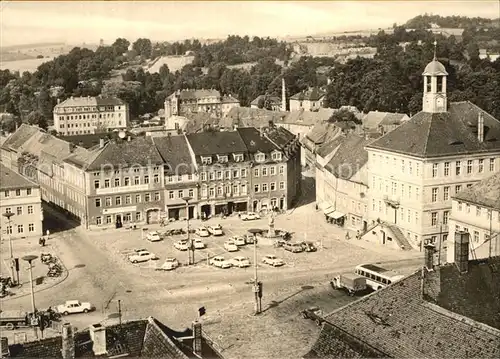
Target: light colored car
74 306
142 256
250 216
216 230
181 245
198 243
169 264
241 262
272 260
202 232
137 250
239 241
220 262
153 237
230 246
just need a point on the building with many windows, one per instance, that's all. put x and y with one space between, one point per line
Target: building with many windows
84 115
414 170
21 197
476 210
187 101
310 100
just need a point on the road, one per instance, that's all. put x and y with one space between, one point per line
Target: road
99 273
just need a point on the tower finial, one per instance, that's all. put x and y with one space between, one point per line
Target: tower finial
435 47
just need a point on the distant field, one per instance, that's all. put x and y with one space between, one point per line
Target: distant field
23 65
174 63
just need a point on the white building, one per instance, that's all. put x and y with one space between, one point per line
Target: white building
310 100
188 101
476 210
415 169
89 115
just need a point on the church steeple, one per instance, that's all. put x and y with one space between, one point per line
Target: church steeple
434 100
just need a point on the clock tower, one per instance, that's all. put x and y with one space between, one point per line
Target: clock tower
434 100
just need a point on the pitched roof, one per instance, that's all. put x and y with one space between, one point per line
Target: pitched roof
443 134
230 99
175 153
272 99
312 94
326 148
250 117
254 141
394 118
193 94
280 136
323 132
484 193
399 323
308 118
374 118
86 141
197 121
350 157
90 101
12 180
215 142
18 138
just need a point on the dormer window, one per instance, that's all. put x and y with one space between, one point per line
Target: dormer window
206 160
260 157
276 156
222 159
238 157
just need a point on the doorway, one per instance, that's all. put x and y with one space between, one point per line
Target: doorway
383 237
118 223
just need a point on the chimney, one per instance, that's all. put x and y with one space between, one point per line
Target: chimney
68 342
58 101
101 142
98 337
462 251
129 138
480 127
197 338
430 249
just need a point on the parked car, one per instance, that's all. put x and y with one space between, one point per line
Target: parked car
313 313
241 262
202 232
308 246
230 246
198 244
272 260
169 264
250 216
215 230
249 238
220 262
181 245
137 250
153 237
74 306
239 241
142 256
293 247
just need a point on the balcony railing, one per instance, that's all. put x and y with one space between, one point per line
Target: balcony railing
392 201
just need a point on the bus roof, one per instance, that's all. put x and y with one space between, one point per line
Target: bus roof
374 268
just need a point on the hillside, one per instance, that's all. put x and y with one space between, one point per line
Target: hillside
425 21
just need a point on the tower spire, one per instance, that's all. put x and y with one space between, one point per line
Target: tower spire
435 47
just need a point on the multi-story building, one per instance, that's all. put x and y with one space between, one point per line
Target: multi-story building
320 134
20 197
181 179
476 210
272 103
310 100
415 169
83 115
185 102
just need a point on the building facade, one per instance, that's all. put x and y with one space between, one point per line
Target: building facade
476 210
20 197
87 115
185 102
310 100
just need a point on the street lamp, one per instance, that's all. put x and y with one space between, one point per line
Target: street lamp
30 258
256 284
9 232
190 243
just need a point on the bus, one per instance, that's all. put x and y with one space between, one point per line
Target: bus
377 277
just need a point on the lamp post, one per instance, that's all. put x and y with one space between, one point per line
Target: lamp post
9 216
30 258
256 286
190 243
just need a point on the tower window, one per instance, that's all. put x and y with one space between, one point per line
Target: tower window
429 84
440 80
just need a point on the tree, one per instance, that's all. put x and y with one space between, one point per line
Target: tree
36 118
120 46
143 47
343 116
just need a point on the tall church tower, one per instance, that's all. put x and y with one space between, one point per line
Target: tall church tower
434 100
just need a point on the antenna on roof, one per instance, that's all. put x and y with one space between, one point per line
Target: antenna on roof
435 47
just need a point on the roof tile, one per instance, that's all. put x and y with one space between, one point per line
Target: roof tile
484 193
175 153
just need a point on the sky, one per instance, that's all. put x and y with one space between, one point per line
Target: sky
77 22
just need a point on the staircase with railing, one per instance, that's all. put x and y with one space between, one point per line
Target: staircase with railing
400 238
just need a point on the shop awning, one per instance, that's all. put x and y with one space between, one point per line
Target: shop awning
328 210
336 215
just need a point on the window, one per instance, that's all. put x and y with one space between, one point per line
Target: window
235 189
18 192
20 228
244 189
446 215
480 168
9 229
146 179
31 227
156 179
7 193
447 168
137 180
137 198
476 236
138 216
117 182
180 193
434 217
228 190
118 200
107 201
282 185
220 191
126 181
171 178
469 185
170 194
106 183
203 176
409 192
260 157
30 209
128 199
417 193
28 191
256 188
256 172
467 208
98 202
264 187
227 174
460 206
235 173
272 171
276 156
410 167
191 193
264 171
190 177
281 170
446 193
147 197
206 160
96 184
222 159
211 192
19 210
109 219
434 170
458 168
273 186
458 188
243 172
492 164
478 211
402 190
219 174
179 178
408 214
417 169
469 166
98 220
416 217
238 158
403 166
157 196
